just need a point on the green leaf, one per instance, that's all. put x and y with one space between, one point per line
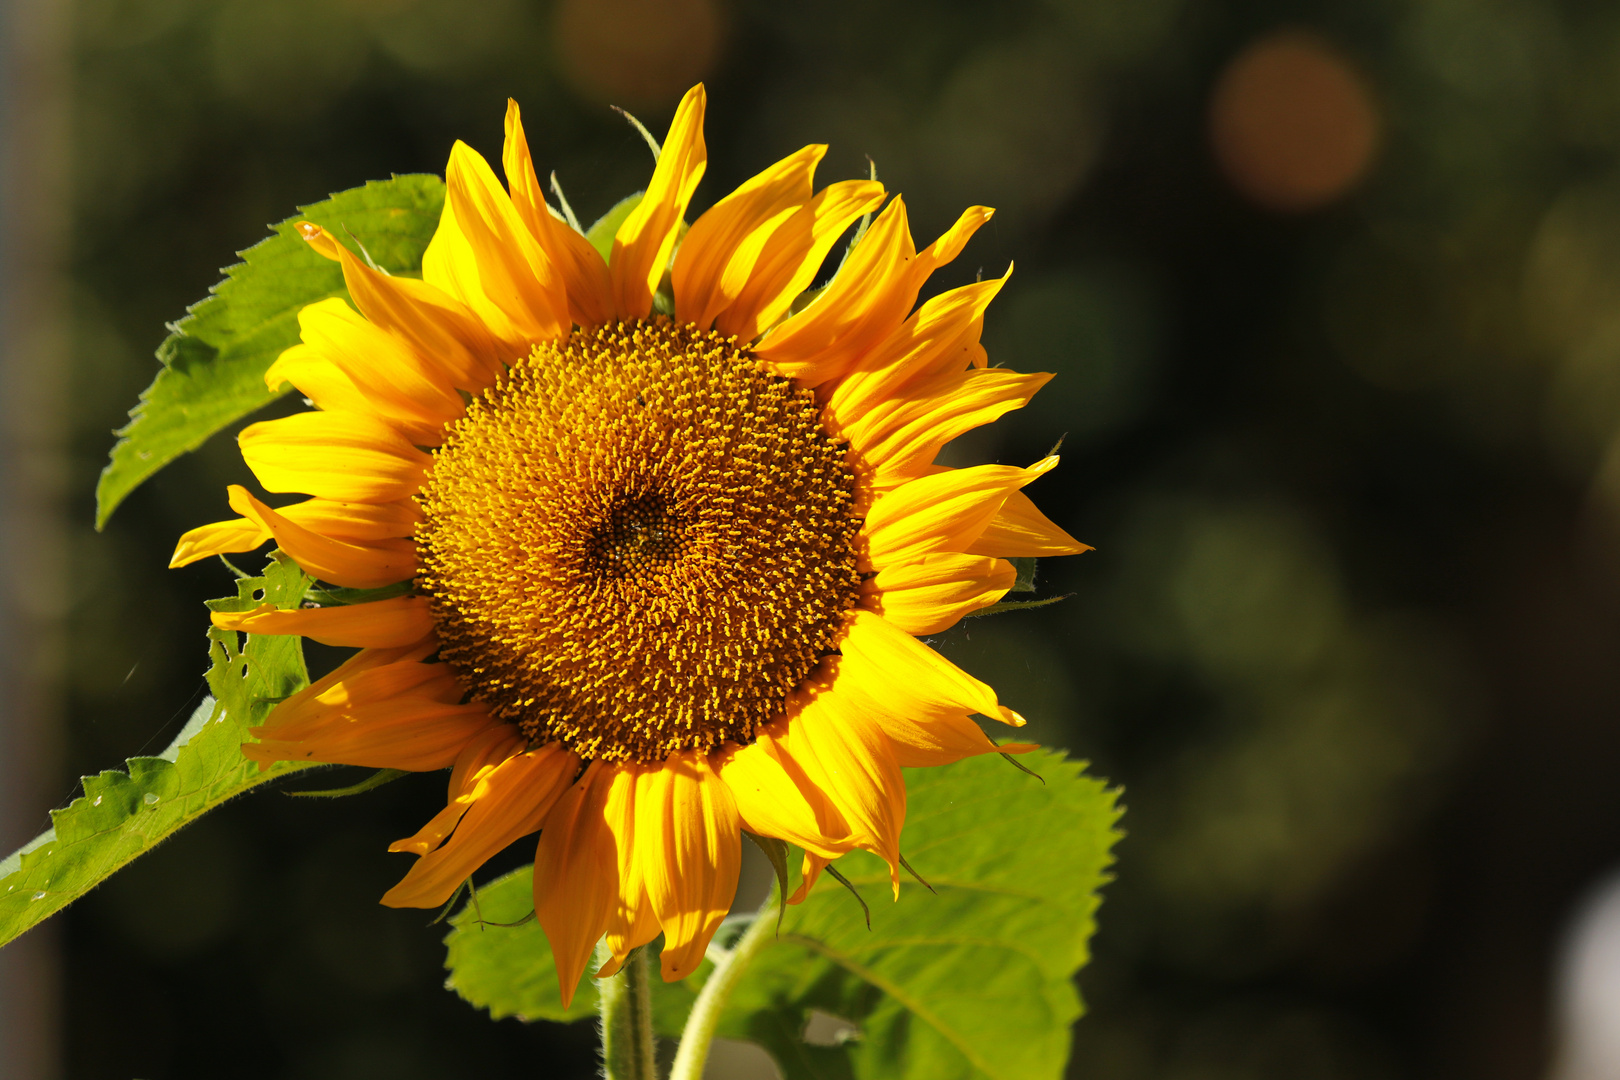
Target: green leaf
123 814
214 359
974 980
607 226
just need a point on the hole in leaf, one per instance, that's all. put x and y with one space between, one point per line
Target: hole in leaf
825 1029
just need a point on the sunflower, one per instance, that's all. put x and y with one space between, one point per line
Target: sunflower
661 531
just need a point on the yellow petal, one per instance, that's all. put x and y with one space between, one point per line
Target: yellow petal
484 255
793 254
363 565
776 798
437 326
350 521
941 338
945 511
931 593
347 457
722 248
632 922
381 624
867 301
859 769
576 874
1020 530
218 538
416 397
585 275
898 441
688 845
516 796
906 677
643 244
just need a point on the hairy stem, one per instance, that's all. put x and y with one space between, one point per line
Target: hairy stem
705 1016
627 1038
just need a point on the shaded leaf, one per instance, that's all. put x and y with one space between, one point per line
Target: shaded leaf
123 814
214 358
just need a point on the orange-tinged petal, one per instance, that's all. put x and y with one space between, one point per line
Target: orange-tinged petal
356 521
643 244
468 776
436 325
688 846
416 397
585 275
383 708
809 870
931 593
347 457
868 299
1020 530
945 511
906 677
793 255
381 624
218 538
576 874
366 565
722 248
516 796
484 255
776 798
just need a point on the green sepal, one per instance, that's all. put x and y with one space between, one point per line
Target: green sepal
1024 565
370 783
123 814
323 595
777 852
606 227
1017 605
215 357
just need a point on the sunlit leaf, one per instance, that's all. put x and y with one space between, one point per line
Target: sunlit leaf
214 358
973 980
124 814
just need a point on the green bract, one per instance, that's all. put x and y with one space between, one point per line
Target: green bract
974 980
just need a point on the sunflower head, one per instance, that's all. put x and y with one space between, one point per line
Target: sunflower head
665 573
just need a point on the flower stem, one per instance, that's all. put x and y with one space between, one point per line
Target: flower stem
705 1016
627 1038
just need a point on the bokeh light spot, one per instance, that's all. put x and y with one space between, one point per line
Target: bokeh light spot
636 52
1293 123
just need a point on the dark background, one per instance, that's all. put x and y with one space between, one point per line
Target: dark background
1330 290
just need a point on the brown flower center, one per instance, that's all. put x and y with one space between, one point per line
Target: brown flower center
639 542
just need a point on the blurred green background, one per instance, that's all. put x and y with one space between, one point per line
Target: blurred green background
1333 296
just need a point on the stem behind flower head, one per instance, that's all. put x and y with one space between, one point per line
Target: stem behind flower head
698 1035
628 1050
